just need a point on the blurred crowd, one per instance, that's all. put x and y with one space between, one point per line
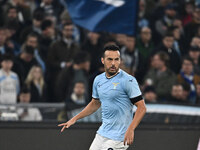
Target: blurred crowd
46 58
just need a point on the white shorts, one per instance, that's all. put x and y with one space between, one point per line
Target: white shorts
103 143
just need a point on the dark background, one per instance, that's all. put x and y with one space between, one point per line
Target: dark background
47 136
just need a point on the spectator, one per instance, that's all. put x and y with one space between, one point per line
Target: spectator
35 27
32 41
48 36
176 93
179 41
144 43
195 41
167 20
35 82
143 21
189 9
75 102
11 13
188 76
177 23
51 8
32 4
145 47
65 18
121 39
48 7
94 46
24 62
159 10
14 23
130 56
192 27
27 113
3 47
161 77
194 53
167 46
150 94
9 82
61 54
13 45
78 95
198 93
62 51
23 11
69 76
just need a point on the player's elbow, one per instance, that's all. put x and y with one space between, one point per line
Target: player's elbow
142 108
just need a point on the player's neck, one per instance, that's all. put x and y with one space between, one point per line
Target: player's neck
110 76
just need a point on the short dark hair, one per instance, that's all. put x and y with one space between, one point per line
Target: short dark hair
171 29
168 34
149 89
45 24
110 48
38 14
81 57
32 34
188 58
25 90
109 40
68 23
6 57
163 57
194 48
177 84
79 81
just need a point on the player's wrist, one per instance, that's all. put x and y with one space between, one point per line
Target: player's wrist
75 118
132 128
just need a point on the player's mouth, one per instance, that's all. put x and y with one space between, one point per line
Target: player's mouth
112 68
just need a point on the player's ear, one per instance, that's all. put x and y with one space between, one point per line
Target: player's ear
102 60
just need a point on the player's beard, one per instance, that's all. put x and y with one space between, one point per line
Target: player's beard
112 70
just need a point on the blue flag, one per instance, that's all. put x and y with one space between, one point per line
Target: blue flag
117 16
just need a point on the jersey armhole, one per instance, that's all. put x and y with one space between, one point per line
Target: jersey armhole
96 98
136 99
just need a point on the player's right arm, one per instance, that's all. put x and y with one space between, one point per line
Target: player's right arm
88 110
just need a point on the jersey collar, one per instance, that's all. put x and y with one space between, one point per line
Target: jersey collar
113 75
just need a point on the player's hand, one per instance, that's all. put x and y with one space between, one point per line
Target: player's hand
67 124
129 137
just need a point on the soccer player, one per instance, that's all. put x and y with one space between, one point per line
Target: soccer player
115 92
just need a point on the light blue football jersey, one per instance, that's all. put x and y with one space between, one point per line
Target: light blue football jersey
117 110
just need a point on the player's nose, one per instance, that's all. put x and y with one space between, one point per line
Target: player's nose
113 62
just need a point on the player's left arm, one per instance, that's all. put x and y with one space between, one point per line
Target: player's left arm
139 114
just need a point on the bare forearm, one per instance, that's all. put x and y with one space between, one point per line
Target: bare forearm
139 114
92 107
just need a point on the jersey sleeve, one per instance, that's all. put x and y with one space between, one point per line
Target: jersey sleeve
132 88
95 94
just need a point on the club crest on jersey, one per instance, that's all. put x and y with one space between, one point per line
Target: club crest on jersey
115 85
